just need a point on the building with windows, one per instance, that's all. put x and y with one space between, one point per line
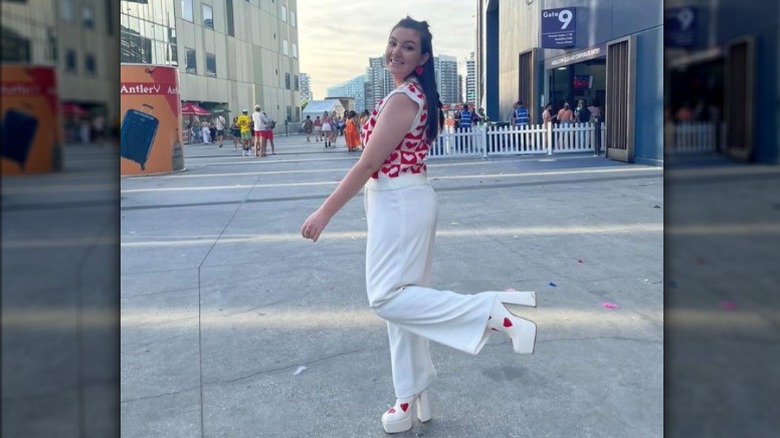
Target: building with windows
306 94
446 68
379 80
231 54
78 38
560 51
354 88
471 80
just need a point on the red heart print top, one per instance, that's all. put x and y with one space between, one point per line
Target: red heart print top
409 155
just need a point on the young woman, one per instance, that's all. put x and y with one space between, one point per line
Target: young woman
401 213
351 132
327 127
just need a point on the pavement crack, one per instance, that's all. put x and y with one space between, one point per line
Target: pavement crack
150 397
287 367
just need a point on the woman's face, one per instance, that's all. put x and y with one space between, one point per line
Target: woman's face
403 52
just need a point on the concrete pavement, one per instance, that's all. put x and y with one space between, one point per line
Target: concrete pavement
222 301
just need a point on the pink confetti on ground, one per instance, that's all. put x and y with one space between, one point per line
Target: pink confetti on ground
510 289
333 287
610 306
728 305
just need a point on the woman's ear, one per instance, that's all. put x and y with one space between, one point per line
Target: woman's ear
424 58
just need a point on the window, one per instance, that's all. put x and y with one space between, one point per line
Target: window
229 12
66 9
135 48
186 10
287 81
190 61
292 18
111 17
89 64
284 48
211 64
173 47
88 17
295 50
208 16
289 113
297 83
70 60
283 8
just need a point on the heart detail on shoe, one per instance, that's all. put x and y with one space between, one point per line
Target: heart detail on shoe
507 322
404 406
391 411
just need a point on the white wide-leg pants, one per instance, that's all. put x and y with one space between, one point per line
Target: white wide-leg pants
401 214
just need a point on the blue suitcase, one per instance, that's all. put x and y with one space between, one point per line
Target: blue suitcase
18 130
138 131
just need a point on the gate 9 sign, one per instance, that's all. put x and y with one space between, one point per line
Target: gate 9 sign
559 28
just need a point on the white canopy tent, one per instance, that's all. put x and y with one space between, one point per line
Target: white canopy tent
318 107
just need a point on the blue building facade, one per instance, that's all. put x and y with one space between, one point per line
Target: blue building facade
608 51
726 61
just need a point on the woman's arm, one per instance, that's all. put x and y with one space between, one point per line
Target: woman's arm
392 125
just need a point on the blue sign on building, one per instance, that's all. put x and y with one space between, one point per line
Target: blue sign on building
680 27
559 28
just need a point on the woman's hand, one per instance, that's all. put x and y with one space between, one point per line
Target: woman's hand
314 224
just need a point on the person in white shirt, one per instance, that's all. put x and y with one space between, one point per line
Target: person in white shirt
259 119
219 123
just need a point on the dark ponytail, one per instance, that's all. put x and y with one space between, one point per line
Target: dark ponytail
428 76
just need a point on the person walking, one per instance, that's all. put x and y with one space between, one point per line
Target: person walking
351 133
363 120
318 129
401 215
261 136
308 128
327 127
219 123
246 134
235 132
270 124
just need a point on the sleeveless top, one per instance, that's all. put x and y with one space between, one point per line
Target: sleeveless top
409 155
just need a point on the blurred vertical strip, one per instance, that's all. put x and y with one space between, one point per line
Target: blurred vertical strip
722 222
59 300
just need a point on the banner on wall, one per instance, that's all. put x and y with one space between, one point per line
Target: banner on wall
150 137
31 126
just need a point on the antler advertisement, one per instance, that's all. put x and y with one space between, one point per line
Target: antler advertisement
150 139
31 131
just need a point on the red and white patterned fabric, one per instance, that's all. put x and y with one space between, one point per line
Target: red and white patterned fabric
409 155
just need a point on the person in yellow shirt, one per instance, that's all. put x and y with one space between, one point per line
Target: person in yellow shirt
246 134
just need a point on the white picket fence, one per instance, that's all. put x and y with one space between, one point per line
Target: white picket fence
695 137
519 140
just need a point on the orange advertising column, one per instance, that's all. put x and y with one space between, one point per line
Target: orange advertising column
31 127
150 141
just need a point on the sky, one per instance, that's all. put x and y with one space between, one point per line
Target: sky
336 37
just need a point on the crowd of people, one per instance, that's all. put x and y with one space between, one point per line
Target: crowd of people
328 127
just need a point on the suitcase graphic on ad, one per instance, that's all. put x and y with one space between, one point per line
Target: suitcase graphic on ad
138 131
18 130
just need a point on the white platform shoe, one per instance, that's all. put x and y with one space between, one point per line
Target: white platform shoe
399 418
521 331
